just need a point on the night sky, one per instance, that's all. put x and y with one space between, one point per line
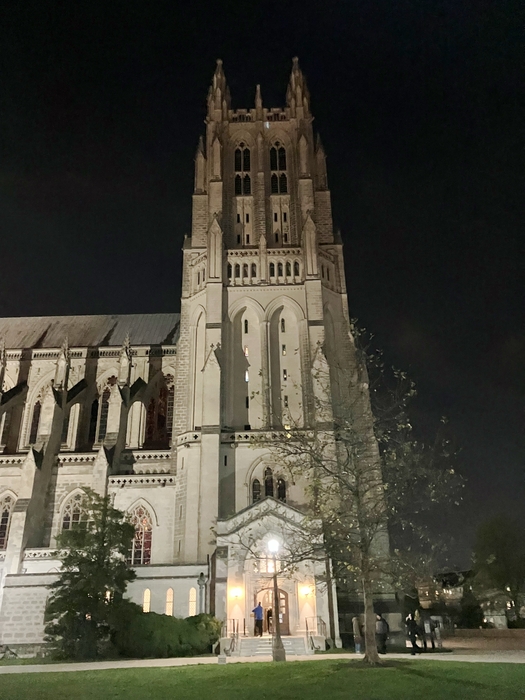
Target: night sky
101 108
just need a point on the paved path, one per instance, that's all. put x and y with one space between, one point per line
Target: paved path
511 657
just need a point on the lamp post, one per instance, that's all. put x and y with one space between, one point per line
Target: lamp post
278 651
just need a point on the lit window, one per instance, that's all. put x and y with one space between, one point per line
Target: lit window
246 376
256 491
285 374
169 602
159 416
192 607
146 600
246 353
141 546
285 401
283 349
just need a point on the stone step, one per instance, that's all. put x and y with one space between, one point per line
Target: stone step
256 646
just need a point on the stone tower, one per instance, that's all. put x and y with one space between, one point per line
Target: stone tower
263 290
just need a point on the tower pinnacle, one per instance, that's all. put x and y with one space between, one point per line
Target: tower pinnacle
218 95
297 95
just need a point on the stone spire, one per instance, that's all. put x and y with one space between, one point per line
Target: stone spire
320 157
297 95
200 168
218 95
258 104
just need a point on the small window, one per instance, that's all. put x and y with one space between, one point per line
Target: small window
288 269
246 326
238 238
237 270
322 271
328 274
280 269
35 422
272 270
198 278
285 401
296 268
248 239
283 349
281 490
225 460
285 217
256 491
229 271
146 600
192 607
247 218
247 402
285 375
275 216
277 238
283 326
246 376
246 352
169 602
268 482
238 218
247 185
285 238
254 270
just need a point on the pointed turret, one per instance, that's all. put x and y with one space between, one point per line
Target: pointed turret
218 95
320 158
200 168
297 95
258 104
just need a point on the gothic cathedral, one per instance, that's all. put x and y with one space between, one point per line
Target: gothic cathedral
160 410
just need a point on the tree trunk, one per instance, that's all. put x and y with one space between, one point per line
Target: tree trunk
371 653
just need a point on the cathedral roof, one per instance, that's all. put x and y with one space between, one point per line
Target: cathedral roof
89 331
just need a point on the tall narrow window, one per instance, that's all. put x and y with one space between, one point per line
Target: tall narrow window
283 325
245 271
192 607
237 271
246 326
272 270
65 428
242 170
5 428
256 490
146 600
278 179
254 270
169 602
246 376
283 349
281 490
141 546
296 268
35 422
103 409
285 375
268 482
93 417
280 269
6 508
285 401
288 269
246 351
74 512
229 271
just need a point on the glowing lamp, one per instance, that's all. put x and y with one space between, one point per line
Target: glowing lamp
236 592
273 546
306 591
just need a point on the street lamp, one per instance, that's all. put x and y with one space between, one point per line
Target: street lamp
278 651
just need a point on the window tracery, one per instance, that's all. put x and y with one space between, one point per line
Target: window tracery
278 179
141 546
74 511
35 421
159 416
242 166
6 508
98 421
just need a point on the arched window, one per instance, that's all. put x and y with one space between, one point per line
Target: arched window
6 424
245 271
141 546
288 269
278 180
254 270
6 508
280 269
229 271
159 417
169 602
65 428
237 270
98 424
283 326
272 270
74 512
146 600
256 490
192 607
242 169
281 490
103 415
296 270
268 482
35 422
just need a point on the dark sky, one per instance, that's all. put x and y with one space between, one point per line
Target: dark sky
101 107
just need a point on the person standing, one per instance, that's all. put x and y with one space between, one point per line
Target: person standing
358 634
259 616
382 630
412 630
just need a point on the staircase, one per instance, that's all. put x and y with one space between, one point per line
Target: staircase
262 646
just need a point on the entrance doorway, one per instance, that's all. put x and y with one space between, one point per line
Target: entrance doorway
265 597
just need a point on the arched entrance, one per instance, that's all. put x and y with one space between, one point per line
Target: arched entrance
265 597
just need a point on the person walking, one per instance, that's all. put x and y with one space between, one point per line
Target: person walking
258 611
358 633
413 630
382 630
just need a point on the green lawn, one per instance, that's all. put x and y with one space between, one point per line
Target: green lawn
325 680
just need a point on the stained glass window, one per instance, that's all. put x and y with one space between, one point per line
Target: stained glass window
141 545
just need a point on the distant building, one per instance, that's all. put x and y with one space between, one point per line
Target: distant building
159 409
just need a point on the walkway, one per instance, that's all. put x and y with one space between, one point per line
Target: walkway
510 657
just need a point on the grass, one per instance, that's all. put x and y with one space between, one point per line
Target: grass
329 679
